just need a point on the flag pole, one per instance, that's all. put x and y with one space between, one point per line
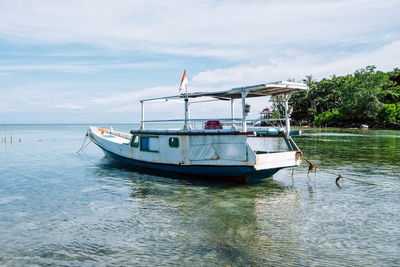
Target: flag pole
188 107
186 126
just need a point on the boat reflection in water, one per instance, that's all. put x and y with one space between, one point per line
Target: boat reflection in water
192 221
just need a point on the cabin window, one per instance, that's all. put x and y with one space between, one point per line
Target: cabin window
174 142
135 141
149 143
144 143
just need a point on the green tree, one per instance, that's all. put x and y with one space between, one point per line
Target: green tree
278 108
362 97
391 89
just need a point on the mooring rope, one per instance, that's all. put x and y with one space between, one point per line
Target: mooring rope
83 144
312 166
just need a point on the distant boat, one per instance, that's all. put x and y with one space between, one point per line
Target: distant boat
213 151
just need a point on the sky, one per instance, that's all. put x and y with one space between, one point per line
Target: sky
90 61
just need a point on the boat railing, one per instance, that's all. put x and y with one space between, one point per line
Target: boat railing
199 123
233 123
237 121
195 120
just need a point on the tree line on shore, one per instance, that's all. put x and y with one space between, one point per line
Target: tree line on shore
367 96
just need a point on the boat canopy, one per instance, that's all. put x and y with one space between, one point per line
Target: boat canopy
267 89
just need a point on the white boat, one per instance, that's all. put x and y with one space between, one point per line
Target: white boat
214 151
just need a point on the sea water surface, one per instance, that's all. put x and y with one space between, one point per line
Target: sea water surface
60 208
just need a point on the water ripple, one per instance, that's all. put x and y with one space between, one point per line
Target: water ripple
60 208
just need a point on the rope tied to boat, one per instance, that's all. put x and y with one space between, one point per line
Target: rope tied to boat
313 166
83 144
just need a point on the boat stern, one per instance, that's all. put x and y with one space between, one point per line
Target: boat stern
277 160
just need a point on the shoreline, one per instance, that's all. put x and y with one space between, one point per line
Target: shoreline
353 126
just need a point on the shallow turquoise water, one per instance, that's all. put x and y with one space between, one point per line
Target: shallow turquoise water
62 208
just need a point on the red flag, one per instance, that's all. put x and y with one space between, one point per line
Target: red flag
184 82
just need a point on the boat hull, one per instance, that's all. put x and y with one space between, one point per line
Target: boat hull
208 155
235 173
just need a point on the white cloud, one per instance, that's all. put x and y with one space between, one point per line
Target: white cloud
232 29
385 58
133 97
45 67
256 41
128 103
66 106
78 67
4 107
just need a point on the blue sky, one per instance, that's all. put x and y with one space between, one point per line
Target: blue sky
91 61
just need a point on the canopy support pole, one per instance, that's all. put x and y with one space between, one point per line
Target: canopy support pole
142 121
188 108
232 113
186 126
286 97
244 114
